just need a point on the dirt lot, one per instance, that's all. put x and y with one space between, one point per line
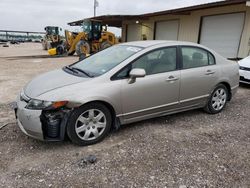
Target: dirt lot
190 149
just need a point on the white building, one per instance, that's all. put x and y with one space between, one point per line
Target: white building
223 26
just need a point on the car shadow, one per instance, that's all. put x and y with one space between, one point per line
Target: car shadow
245 85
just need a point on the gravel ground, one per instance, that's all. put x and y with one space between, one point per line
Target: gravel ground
190 149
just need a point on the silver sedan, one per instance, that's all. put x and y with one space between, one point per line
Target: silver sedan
125 83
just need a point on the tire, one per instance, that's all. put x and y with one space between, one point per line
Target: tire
82 47
105 45
217 100
82 126
60 50
48 45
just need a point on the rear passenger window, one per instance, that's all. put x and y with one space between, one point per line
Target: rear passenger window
196 57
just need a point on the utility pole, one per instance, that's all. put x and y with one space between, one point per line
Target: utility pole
96 4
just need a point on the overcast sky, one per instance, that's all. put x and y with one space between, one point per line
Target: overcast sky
34 15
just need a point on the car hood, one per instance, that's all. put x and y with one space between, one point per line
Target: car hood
50 81
245 62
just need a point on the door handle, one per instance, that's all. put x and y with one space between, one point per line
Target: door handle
209 72
172 78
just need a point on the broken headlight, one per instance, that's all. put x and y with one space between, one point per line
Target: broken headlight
36 104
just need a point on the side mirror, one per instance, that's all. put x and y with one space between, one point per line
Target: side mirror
136 73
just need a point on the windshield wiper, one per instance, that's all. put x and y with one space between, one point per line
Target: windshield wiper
70 68
82 71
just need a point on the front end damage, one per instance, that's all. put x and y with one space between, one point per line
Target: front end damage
43 124
54 123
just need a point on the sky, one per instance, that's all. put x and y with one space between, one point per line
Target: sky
34 15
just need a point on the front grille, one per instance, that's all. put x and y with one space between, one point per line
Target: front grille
244 68
244 79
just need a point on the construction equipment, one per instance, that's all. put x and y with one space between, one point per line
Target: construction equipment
93 38
53 38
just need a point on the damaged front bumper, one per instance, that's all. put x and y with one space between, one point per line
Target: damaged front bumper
39 124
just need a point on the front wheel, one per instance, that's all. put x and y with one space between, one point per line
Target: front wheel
89 124
82 47
217 100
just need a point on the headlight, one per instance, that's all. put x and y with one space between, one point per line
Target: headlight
35 104
242 68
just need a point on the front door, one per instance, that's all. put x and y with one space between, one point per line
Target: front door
158 91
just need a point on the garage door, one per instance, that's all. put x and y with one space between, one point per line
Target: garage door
223 33
167 30
134 32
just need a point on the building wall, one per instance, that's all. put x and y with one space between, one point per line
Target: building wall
189 27
245 39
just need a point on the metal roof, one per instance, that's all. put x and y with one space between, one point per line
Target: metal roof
186 10
111 20
116 20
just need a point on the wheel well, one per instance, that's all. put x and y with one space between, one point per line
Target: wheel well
228 89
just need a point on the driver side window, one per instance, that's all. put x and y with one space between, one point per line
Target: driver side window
157 61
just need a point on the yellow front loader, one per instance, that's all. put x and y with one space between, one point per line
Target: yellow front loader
93 38
52 38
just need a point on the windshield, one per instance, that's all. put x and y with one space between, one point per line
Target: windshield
105 60
86 26
52 30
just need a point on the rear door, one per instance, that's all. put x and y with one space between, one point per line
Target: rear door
198 75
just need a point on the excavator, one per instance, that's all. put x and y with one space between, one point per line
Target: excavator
52 38
93 38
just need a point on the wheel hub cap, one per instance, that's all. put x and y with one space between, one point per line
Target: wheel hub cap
219 99
90 124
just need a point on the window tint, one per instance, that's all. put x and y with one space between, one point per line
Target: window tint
158 61
194 57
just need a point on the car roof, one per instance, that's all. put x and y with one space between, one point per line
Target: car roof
148 43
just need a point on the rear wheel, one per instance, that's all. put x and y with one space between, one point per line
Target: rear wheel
82 47
89 124
60 50
217 100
